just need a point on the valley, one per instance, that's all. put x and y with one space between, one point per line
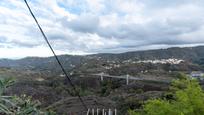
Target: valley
150 73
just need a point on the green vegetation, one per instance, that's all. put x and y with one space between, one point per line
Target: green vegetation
185 97
13 105
200 62
107 87
80 91
128 103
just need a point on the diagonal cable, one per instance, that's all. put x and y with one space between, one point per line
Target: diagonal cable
56 57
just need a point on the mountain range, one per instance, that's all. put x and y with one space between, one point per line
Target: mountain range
191 54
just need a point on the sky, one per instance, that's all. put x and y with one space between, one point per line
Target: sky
80 27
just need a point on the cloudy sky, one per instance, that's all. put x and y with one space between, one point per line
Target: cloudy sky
99 26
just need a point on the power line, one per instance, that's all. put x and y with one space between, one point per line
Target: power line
56 57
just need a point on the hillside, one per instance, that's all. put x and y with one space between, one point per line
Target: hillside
41 77
190 54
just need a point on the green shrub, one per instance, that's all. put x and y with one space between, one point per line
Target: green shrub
188 99
108 86
79 91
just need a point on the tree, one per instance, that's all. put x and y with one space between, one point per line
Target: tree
187 99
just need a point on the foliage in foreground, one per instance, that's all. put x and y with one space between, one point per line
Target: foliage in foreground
13 105
186 98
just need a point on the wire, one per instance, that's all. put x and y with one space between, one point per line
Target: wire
56 57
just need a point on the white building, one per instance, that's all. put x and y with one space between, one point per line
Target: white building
197 75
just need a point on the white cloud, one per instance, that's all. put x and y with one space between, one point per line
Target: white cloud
96 26
96 6
128 6
21 52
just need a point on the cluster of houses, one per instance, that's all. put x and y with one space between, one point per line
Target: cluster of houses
163 61
197 75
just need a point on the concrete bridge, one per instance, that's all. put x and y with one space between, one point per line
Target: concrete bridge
127 77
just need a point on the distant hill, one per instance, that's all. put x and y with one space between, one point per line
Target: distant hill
187 53
39 63
191 54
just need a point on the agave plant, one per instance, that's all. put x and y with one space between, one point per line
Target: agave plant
13 105
4 83
5 101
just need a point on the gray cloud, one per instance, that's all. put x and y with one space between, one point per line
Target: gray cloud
154 32
4 42
103 26
28 44
3 39
84 23
56 36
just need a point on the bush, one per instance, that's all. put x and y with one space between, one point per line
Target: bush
188 99
79 91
